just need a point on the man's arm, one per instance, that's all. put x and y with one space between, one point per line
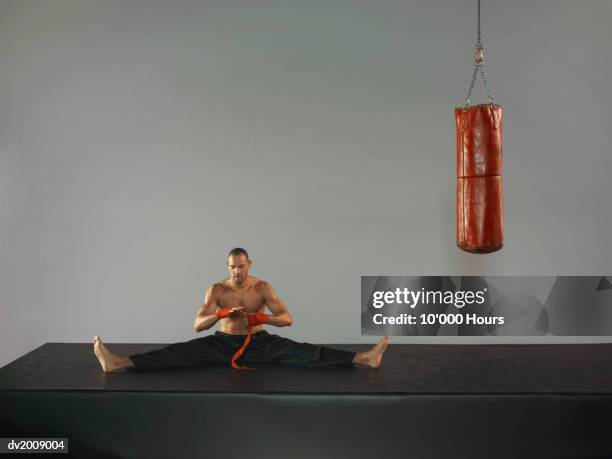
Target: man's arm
281 316
207 316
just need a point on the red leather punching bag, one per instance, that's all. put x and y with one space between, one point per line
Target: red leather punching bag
480 204
480 222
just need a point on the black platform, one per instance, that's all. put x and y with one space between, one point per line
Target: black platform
427 401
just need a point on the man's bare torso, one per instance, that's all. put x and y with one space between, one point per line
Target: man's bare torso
249 296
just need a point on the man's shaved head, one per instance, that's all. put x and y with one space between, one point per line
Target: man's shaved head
238 264
238 251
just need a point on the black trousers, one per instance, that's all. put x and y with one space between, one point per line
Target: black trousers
263 348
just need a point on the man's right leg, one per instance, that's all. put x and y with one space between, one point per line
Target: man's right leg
110 362
199 351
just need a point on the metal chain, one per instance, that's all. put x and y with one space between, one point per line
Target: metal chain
478 23
479 65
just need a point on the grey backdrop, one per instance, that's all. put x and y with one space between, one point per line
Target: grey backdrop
141 140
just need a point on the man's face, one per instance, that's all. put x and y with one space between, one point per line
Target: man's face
238 266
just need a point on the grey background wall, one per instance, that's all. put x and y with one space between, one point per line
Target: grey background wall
141 140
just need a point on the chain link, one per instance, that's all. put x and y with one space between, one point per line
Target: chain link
479 66
478 42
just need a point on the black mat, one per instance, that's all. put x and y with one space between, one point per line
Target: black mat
480 369
427 401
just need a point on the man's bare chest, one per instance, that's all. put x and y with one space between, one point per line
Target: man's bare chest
249 299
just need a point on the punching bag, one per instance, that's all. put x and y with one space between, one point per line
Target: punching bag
480 209
480 223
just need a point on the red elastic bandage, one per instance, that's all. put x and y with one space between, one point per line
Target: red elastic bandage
257 318
237 355
223 312
253 319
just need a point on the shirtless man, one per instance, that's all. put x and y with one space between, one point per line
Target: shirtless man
237 302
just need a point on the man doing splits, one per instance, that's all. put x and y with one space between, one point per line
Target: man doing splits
238 303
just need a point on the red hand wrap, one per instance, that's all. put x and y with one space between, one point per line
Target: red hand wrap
257 318
223 312
237 355
253 319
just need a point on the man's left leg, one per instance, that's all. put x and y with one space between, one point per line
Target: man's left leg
373 357
275 349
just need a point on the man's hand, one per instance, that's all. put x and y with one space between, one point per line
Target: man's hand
236 311
231 312
257 318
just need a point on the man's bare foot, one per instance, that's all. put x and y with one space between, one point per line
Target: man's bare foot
376 353
107 359
373 357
